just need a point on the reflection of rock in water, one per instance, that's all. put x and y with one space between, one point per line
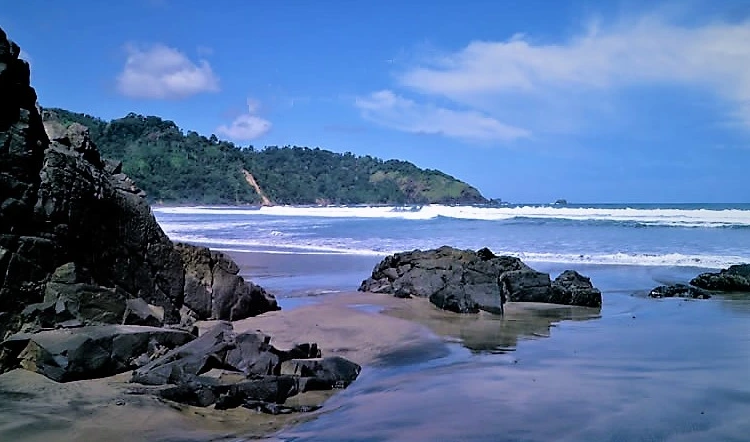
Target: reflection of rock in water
488 332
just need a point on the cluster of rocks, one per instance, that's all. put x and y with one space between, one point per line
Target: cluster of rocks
736 278
220 368
90 286
229 369
465 281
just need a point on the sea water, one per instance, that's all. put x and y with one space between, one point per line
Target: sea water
645 369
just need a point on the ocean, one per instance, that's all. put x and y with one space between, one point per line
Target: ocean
644 369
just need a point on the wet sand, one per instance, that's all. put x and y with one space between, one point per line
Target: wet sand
367 328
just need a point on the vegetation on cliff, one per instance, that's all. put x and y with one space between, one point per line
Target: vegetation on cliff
176 167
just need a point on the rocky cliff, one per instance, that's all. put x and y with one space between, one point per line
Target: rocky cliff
78 242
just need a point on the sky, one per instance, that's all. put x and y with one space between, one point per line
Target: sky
529 101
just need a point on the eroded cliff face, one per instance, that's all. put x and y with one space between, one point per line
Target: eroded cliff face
78 242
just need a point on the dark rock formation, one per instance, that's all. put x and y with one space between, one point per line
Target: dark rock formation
78 242
575 289
263 373
90 352
680 291
213 288
330 372
465 281
79 248
734 279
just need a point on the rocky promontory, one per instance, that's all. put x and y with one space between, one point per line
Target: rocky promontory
90 285
465 281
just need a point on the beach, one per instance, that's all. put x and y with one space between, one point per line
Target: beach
372 330
636 369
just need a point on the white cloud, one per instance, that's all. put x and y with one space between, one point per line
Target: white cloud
390 110
161 72
247 126
651 51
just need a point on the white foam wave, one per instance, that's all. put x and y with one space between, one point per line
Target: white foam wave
656 217
623 259
243 245
635 259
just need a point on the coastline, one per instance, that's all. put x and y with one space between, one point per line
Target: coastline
34 408
370 329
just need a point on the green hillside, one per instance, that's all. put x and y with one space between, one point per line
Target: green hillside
176 167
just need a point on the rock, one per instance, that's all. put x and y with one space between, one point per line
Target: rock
81 254
248 353
78 241
330 372
231 369
138 312
271 389
572 288
526 285
184 363
213 288
88 352
736 278
680 291
464 281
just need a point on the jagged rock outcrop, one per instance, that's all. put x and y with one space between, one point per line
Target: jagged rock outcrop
214 289
262 373
465 281
78 242
736 278
91 352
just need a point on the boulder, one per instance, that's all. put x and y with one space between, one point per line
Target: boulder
526 285
572 288
736 278
465 281
680 291
139 312
214 290
327 373
89 352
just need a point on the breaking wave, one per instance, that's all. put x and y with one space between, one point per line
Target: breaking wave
328 247
666 217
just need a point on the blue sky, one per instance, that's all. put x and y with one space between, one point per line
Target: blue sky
530 101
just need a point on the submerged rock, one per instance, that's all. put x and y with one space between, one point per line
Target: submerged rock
465 281
736 278
679 291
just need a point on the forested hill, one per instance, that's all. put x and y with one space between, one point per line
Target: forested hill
176 167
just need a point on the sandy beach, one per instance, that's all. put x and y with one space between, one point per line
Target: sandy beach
413 353
367 328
